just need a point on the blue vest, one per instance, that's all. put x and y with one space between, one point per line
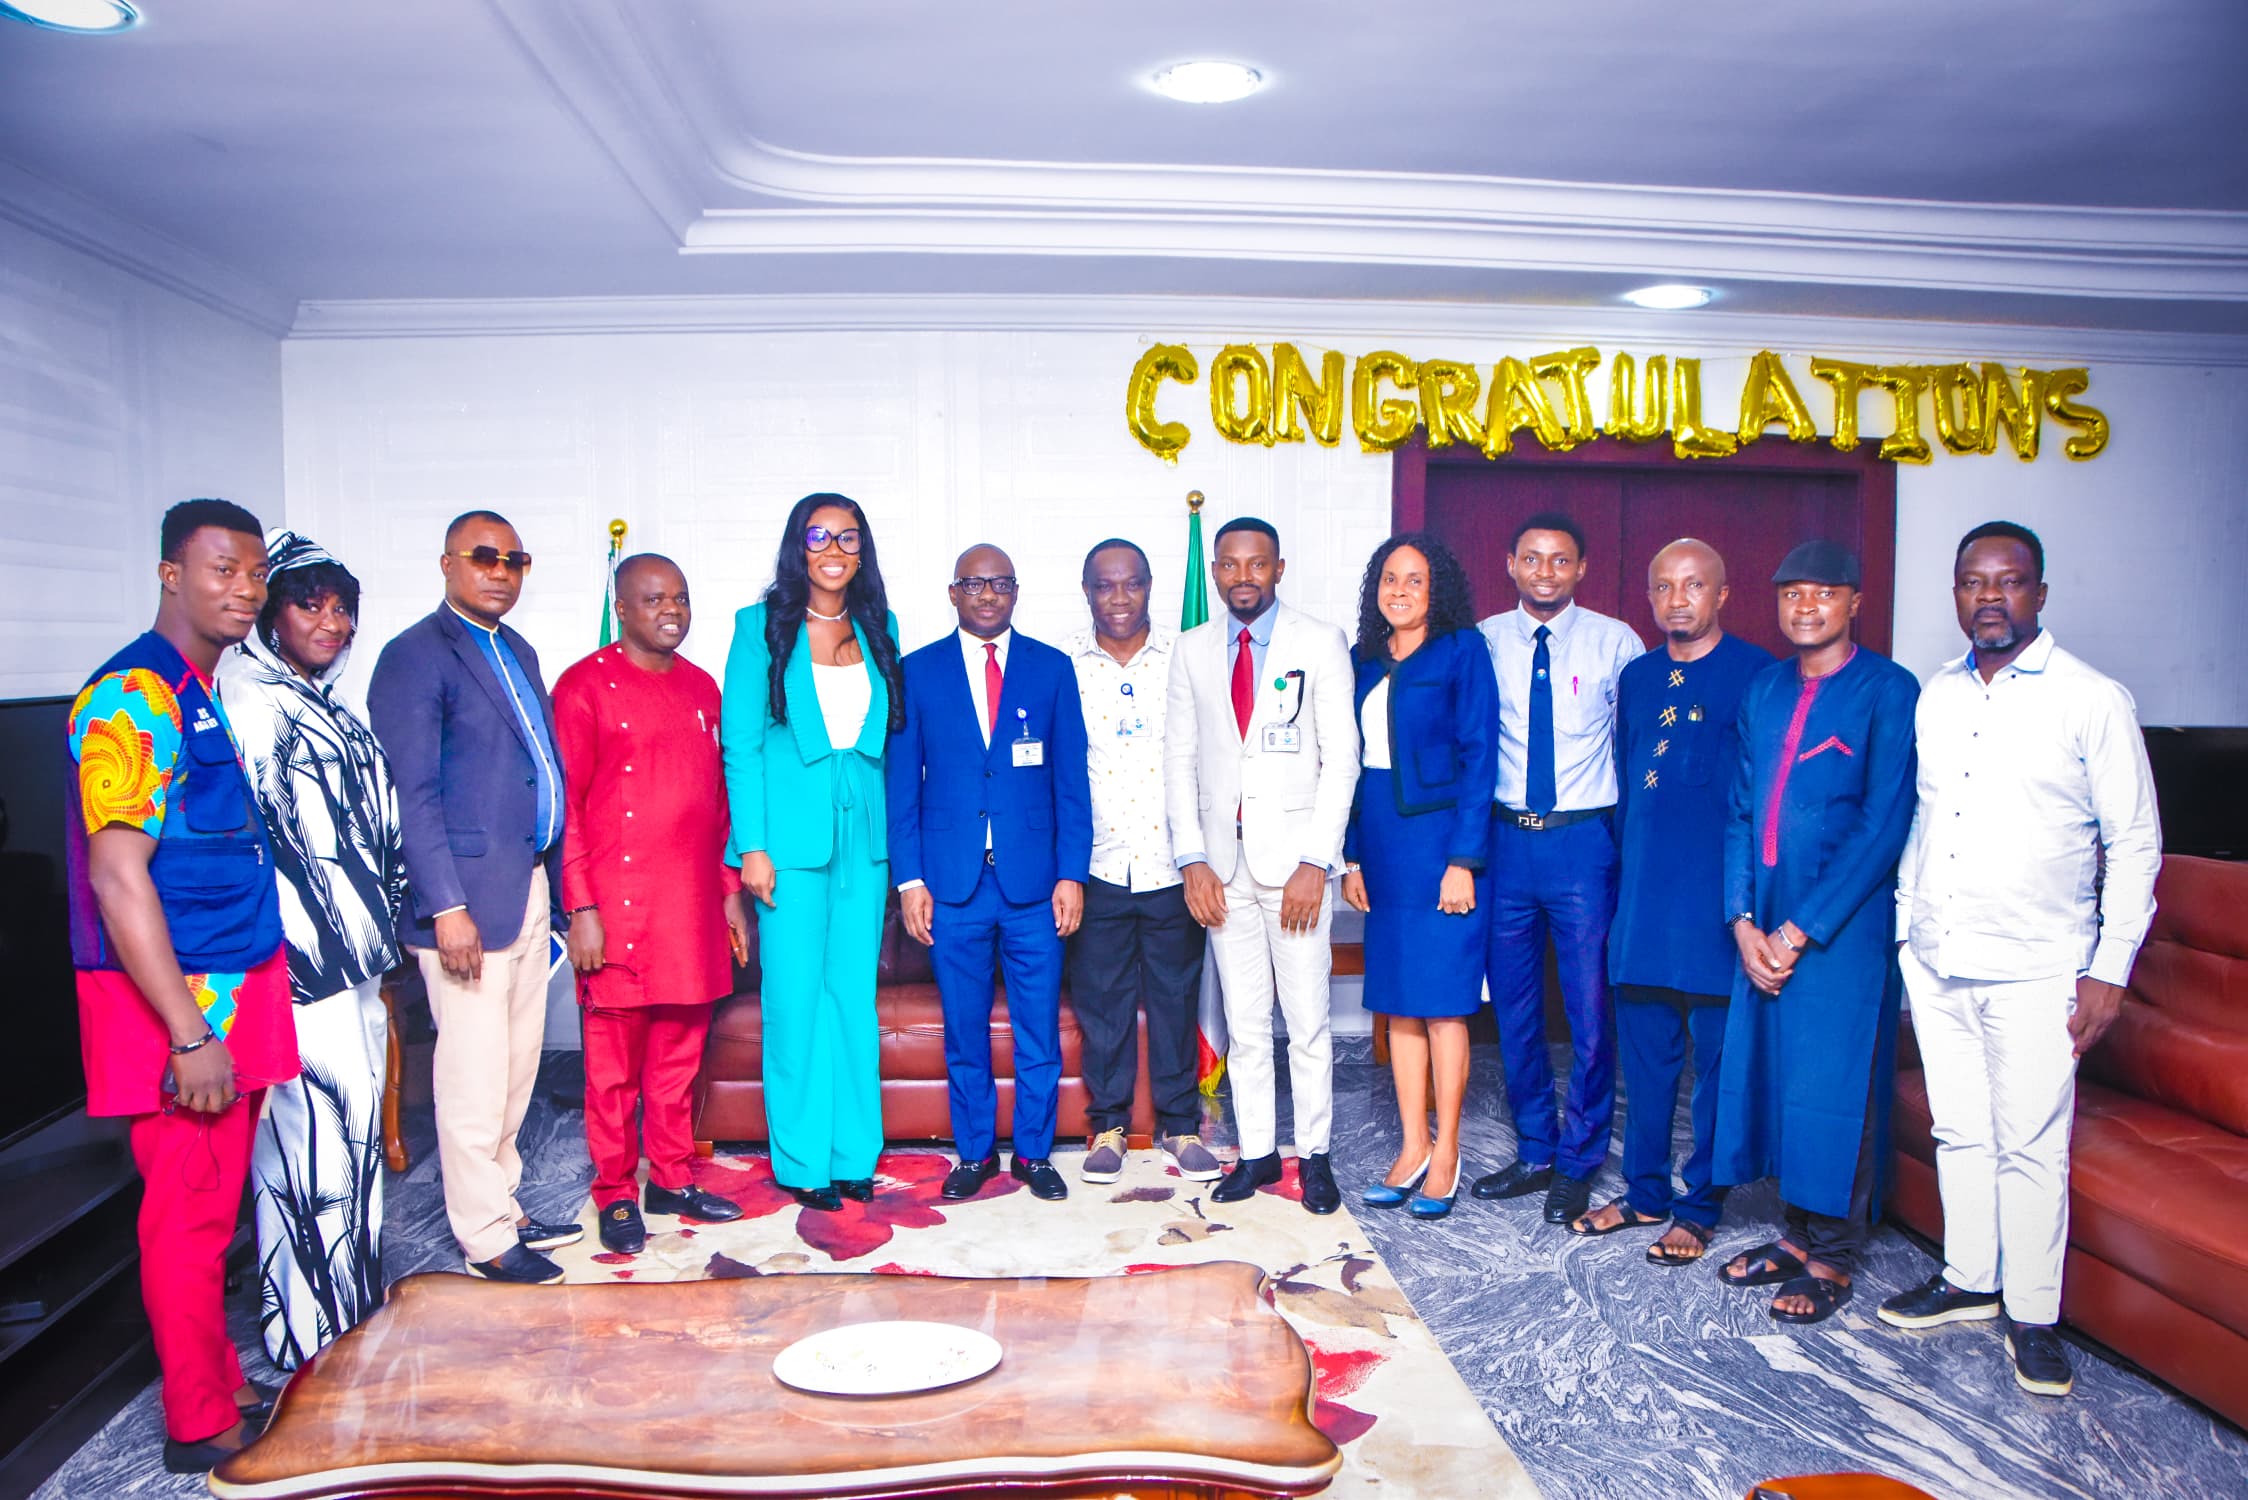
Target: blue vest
212 868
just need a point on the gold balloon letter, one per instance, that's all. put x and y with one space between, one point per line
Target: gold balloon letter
1688 437
1249 421
1294 390
1448 392
1959 408
1904 383
1768 395
1639 421
1382 422
2023 412
2059 386
1518 401
1160 363
1848 380
1571 367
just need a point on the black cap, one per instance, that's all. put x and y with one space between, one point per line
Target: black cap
1819 562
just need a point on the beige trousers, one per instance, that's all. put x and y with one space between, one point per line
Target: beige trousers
488 1039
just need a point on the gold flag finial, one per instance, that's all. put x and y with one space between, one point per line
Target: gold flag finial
617 529
1194 500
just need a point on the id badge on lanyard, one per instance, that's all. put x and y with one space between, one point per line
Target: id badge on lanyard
1286 736
1027 751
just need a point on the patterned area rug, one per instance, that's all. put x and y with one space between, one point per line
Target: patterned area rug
1405 1422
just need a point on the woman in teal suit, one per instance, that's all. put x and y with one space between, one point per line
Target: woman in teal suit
812 693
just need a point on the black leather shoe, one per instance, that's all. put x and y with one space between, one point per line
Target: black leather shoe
195 1458
690 1202
1516 1179
857 1189
967 1179
1321 1196
622 1232
532 1234
1248 1174
2040 1359
1039 1173
519 1264
1936 1302
1566 1198
824 1200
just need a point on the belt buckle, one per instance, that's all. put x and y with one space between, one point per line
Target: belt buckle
1535 822
987 857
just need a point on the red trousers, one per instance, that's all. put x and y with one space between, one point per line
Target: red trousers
645 1055
193 1168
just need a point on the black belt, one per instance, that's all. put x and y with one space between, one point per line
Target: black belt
1540 822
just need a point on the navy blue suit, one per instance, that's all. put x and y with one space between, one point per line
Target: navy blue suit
466 778
947 789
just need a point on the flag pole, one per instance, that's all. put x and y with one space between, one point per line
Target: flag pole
617 529
1194 609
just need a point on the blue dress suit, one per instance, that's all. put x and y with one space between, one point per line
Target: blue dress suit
948 790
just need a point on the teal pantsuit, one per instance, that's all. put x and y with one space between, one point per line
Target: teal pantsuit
818 812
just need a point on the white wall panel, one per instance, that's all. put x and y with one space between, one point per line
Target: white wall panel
116 399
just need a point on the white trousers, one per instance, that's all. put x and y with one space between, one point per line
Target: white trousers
2001 1073
316 1175
1255 959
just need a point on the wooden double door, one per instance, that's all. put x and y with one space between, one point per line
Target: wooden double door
1631 499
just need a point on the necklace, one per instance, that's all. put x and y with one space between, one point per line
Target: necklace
831 619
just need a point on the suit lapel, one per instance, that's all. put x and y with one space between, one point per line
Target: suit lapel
1012 690
1266 702
480 668
876 729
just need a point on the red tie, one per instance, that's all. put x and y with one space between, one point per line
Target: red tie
993 680
1244 689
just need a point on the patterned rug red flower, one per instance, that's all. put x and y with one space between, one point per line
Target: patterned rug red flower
1406 1423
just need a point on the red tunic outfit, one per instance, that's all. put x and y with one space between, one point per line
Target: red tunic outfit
644 841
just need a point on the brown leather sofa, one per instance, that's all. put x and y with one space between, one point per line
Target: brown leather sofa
2158 1183
730 1090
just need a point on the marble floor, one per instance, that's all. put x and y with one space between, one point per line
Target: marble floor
1607 1376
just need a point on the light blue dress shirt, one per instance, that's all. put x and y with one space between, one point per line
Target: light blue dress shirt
517 685
1589 653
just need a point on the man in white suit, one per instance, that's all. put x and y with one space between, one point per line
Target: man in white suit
1259 763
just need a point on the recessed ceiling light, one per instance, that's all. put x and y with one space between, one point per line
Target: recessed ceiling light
1208 82
82 16
1670 296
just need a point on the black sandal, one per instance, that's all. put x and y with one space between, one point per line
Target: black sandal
1825 1296
1777 1262
1702 1234
1632 1219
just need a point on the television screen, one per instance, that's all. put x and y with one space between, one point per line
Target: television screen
40 1071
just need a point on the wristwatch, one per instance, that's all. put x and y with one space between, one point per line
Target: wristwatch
1779 935
1739 917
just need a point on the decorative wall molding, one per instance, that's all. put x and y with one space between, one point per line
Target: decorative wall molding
638 80
72 220
1427 326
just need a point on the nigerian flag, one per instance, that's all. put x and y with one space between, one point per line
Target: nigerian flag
609 585
1209 1048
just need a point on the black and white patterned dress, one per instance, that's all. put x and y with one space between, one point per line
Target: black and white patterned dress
317 1169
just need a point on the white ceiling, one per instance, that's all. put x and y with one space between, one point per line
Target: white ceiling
2009 160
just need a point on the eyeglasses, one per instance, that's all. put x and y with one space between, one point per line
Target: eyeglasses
1003 584
492 557
816 539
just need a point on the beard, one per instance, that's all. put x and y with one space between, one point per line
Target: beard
1997 635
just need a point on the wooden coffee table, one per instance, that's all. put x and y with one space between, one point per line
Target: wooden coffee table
1176 1382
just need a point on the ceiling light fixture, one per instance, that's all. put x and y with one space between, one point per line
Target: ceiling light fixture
83 17
1208 82
1670 296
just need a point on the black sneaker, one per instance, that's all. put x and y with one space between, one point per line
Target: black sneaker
1936 1302
690 1202
2040 1359
622 1230
519 1264
532 1234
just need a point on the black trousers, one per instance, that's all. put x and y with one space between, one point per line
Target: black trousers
1840 1241
1137 950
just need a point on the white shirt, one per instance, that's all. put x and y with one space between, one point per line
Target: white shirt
2024 781
1373 727
1123 703
972 652
845 694
1588 653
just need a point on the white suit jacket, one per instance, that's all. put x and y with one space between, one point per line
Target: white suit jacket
1294 807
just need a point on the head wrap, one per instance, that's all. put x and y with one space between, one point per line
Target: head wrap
285 549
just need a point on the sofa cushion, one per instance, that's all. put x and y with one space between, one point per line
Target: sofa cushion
2156 1193
2181 1039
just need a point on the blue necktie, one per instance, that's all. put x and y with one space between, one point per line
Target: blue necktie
1540 787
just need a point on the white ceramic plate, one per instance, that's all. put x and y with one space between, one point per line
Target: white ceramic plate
886 1359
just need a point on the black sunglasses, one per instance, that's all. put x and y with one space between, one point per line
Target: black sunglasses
816 539
492 557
